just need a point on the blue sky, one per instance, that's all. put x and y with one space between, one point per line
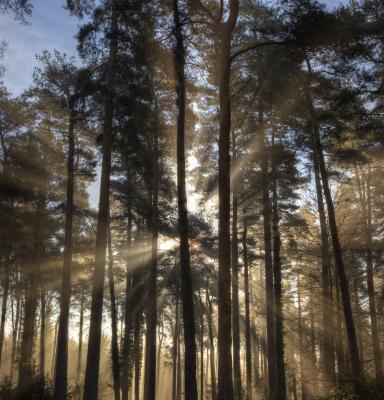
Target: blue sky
50 27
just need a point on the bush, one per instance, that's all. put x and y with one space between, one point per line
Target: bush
41 389
372 390
6 389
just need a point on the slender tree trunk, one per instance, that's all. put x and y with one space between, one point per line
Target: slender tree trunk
345 296
380 311
327 353
15 332
42 333
211 349
294 387
281 393
225 382
61 370
312 355
371 288
269 285
128 317
114 344
185 263
31 298
151 311
339 337
366 205
93 354
202 356
136 356
258 361
206 374
174 350
80 348
138 351
178 394
248 350
158 357
264 355
339 262
54 347
359 322
20 330
5 300
256 356
235 288
301 343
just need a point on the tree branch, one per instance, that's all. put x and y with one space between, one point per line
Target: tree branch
233 14
196 4
254 46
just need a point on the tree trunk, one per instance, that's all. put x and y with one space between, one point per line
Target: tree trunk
281 393
174 350
128 317
178 394
339 338
359 322
269 286
114 344
380 311
5 300
339 262
54 347
61 370
93 354
327 352
256 356
294 388
301 343
345 296
42 333
151 311
264 355
31 297
312 355
138 350
211 349
366 205
80 348
20 330
15 332
185 263
202 356
158 357
235 289
248 350
206 373
225 382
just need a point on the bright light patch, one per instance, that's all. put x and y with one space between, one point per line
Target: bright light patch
167 244
192 162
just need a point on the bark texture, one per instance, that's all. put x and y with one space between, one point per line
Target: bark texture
185 263
225 381
61 369
93 355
